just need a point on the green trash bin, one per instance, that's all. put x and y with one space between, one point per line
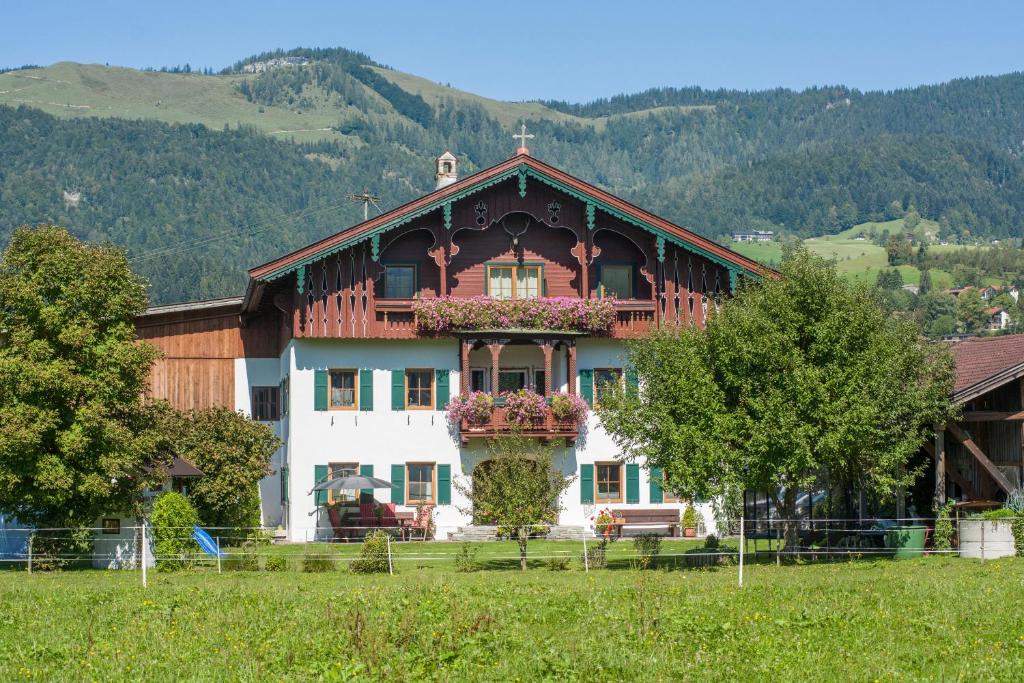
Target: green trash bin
906 541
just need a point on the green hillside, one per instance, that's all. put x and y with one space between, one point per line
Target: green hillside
166 164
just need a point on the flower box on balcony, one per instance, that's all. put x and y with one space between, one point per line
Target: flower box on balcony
448 314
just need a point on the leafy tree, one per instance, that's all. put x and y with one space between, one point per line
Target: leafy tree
518 487
925 284
795 377
911 220
233 453
889 279
74 433
970 310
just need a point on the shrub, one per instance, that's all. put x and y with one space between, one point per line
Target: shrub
596 556
60 549
465 560
524 407
373 557
711 542
172 520
242 560
558 564
568 408
276 563
316 563
647 546
942 538
1001 513
475 409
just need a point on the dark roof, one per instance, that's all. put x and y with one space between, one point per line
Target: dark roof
190 306
983 363
179 467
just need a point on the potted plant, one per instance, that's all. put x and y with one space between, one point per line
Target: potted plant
689 521
475 409
604 523
524 407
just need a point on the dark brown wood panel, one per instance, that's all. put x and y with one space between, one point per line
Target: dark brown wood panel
194 383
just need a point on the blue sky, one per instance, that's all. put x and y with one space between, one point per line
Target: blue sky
574 50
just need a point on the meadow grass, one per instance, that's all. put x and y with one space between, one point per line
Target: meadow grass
926 619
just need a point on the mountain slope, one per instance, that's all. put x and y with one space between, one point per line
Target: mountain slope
167 163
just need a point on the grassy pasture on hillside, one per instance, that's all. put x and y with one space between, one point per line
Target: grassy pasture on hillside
927 619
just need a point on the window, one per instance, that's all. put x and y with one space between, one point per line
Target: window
338 470
284 396
605 380
399 282
478 379
514 282
420 478
511 380
419 389
539 384
667 496
111 525
265 405
616 281
608 482
343 390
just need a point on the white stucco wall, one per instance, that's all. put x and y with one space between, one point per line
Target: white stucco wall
383 437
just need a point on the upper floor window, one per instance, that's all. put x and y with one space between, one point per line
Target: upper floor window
399 281
343 389
606 380
266 403
616 281
419 389
514 281
608 482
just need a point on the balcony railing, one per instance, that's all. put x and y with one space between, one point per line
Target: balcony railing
397 320
498 424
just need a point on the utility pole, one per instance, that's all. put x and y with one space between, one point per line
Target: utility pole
366 198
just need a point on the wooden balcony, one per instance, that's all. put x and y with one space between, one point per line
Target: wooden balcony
395 319
498 424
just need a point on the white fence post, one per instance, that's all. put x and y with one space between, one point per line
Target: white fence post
30 553
391 569
218 554
743 544
586 560
145 583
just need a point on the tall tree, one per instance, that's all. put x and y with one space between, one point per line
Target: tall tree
517 487
74 434
795 377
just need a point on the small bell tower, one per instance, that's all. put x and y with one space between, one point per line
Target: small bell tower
447 170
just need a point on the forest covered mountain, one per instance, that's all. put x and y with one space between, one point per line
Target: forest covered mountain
201 176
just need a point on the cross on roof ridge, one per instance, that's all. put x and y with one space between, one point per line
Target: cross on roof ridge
523 136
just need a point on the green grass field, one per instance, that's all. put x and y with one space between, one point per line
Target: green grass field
926 619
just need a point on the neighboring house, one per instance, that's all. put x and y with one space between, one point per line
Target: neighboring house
753 236
327 348
998 319
979 457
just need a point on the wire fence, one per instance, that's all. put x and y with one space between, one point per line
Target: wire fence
601 546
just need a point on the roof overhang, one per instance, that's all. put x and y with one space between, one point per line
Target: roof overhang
523 168
989 383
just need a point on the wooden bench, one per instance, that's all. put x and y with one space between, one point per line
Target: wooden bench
649 517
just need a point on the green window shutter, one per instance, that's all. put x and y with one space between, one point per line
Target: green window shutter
440 389
319 475
398 389
587 386
632 482
320 390
657 495
284 483
444 484
586 483
632 382
398 484
366 389
366 495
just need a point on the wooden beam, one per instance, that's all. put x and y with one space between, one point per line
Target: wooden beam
951 472
991 416
979 455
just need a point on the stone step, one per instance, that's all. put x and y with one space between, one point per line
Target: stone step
558 532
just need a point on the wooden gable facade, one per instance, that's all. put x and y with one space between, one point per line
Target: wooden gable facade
519 213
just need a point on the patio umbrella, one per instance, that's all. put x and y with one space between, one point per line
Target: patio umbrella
353 481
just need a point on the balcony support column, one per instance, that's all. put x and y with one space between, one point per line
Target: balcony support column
571 367
548 349
495 348
464 347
